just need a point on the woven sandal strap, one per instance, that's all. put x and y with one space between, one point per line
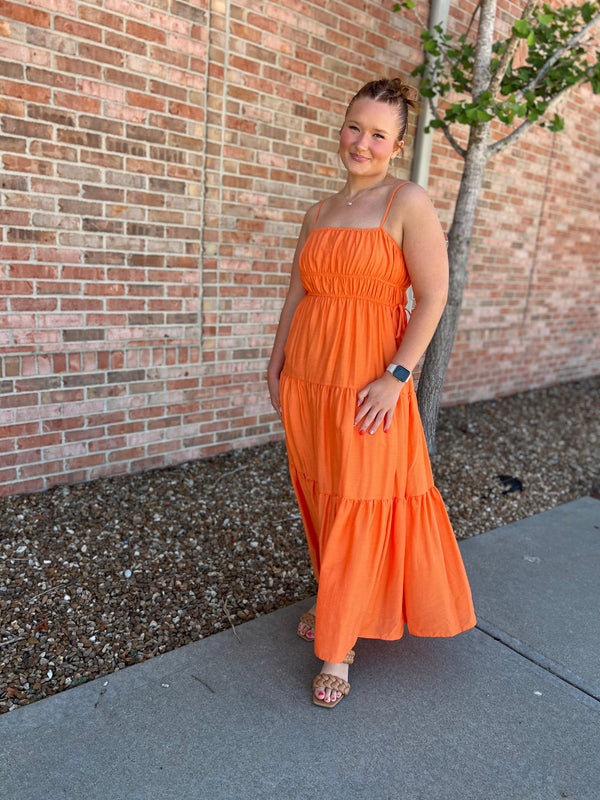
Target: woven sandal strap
349 658
326 681
308 619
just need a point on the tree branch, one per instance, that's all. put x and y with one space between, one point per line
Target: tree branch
557 55
511 138
472 20
511 46
446 129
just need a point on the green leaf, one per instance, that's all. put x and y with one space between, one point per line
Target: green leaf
587 12
436 123
545 19
531 39
483 116
521 28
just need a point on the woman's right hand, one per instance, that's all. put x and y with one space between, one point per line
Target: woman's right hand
295 294
273 383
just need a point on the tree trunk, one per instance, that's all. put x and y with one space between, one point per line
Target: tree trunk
431 381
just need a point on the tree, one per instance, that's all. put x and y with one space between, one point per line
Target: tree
473 80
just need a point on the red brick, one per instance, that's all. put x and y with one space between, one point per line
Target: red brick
102 54
101 18
88 105
126 44
30 16
150 34
77 29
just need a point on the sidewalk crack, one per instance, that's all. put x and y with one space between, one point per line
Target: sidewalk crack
547 664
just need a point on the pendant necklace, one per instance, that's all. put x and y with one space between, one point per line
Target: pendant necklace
368 189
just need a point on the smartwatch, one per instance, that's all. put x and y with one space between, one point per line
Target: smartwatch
400 373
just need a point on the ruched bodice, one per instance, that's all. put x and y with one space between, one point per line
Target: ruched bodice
379 538
355 306
362 263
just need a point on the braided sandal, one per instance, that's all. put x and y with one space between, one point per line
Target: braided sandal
326 681
310 620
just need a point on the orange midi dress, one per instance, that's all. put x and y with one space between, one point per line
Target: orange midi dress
382 548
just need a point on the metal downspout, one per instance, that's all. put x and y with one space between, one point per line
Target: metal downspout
419 172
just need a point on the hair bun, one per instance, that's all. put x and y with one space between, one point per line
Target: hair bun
408 93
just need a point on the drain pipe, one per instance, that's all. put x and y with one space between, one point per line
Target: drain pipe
419 172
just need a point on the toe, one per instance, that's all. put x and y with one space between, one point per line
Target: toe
306 630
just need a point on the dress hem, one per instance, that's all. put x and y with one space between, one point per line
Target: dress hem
396 638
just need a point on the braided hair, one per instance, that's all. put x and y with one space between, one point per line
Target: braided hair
392 91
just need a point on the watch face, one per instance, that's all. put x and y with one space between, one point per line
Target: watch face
401 374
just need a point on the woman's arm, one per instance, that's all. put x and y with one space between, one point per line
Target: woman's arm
295 294
414 224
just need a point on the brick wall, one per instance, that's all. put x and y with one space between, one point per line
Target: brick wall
531 314
157 159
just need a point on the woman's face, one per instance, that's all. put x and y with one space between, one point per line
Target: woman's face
368 139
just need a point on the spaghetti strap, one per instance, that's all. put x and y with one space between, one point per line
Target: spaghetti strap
389 205
319 211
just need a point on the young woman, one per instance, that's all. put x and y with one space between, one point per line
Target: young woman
380 541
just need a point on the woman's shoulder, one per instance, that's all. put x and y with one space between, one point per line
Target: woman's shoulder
408 199
409 209
403 190
313 212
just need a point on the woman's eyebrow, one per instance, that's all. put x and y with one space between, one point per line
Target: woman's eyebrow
377 130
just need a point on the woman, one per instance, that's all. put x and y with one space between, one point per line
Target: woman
380 542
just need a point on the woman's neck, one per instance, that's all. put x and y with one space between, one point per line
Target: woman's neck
356 186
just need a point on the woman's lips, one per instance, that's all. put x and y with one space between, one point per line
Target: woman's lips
358 158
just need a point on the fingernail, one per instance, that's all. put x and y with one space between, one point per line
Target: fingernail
362 433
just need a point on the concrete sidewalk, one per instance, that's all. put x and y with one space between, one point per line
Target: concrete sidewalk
507 711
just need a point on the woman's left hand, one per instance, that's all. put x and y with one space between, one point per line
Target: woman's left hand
376 404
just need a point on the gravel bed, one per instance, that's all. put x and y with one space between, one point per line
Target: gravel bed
98 576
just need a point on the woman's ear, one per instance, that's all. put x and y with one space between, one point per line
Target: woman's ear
398 148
